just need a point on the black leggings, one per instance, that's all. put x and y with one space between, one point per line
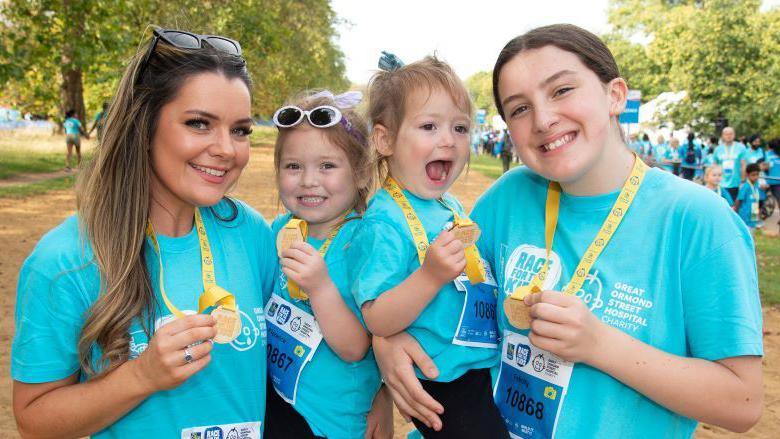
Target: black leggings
469 410
282 421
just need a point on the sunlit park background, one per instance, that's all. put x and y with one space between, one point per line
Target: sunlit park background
698 64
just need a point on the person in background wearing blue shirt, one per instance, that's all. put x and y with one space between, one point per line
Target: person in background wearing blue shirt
628 334
100 121
659 152
712 177
73 133
750 195
671 161
730 155
773 168
634 143
691 158
104 347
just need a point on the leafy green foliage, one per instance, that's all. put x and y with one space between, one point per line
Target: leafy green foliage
289 46
723 53
480 86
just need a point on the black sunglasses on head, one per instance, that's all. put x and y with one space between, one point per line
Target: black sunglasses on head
188 40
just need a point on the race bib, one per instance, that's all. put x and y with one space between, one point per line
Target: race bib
478 326
293 337
754 212
245 430
728 167
530 388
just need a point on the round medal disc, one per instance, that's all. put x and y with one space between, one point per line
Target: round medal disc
228 324
286 238
468 235
518 314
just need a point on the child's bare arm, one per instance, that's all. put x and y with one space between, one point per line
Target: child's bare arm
339 325
395 309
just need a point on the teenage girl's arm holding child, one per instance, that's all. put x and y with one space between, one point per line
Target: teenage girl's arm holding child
340 327
395 309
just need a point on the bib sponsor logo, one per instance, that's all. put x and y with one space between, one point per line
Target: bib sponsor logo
213 433
283 315
523 264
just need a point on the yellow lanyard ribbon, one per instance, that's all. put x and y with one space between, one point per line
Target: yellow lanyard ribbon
295 223
474 268
608 228
213 295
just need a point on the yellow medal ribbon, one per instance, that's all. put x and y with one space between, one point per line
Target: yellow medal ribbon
608 228
213 295
474 268
295 223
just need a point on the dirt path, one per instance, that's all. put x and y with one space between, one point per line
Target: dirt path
34 177
24 221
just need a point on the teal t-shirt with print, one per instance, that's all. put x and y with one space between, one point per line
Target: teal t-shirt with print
385 254
72 126
730 158
677 268
59 282
334 396
747 195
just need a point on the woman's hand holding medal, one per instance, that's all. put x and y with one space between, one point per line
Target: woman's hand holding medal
176 352
563 324
445 259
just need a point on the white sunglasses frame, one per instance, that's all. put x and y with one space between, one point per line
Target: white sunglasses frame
305 114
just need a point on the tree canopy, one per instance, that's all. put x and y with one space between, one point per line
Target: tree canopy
52 49
725 54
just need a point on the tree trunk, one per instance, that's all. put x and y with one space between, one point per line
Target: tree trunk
72 89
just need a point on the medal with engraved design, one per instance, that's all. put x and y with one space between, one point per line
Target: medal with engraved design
228 324
517 312
287 237
468 233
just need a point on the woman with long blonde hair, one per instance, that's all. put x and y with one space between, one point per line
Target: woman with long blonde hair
142 313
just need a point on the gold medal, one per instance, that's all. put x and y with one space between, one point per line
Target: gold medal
228 324
287 237
467 234
517 312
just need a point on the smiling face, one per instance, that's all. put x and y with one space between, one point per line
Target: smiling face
432 144
201 142
316 180
560 115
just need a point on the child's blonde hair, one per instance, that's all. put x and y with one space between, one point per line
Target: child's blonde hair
353 142
388 92
709 170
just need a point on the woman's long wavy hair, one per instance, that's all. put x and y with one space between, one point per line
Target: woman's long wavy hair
113 195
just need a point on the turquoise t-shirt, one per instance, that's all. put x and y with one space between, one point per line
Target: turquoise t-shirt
730 159
659 151
725 194
748 194
678 267
754 155
384 255
59 282
672 154
773 173
334 396
72 126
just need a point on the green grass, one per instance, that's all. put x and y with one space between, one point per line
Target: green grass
14 162
768 250
37 188
767 247
487 165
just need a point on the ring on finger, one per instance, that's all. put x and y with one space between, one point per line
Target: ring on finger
187 355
